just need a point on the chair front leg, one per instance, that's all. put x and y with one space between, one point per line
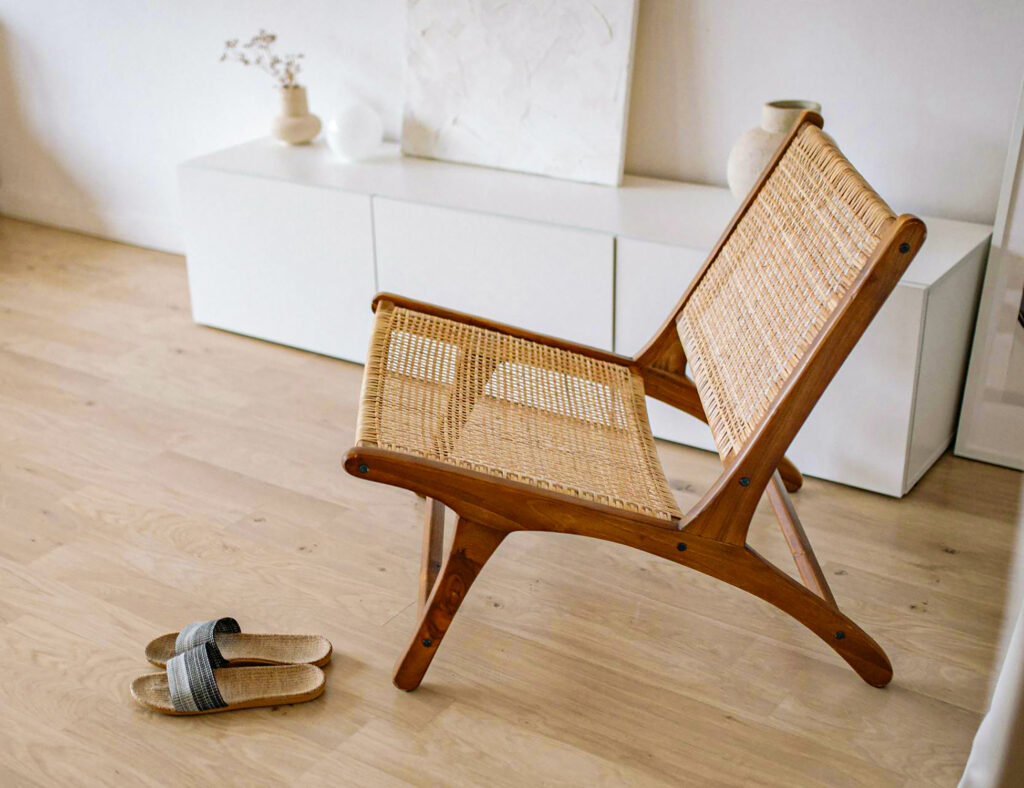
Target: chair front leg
472 544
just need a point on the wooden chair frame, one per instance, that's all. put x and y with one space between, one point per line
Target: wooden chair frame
711 537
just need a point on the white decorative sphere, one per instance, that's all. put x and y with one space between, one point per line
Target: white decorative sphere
355 131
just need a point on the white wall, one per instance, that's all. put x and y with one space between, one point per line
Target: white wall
920 94
99 100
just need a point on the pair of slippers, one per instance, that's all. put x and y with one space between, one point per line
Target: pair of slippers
204 670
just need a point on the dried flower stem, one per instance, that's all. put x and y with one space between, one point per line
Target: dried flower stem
258 52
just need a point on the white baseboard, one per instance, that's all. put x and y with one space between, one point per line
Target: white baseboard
136 228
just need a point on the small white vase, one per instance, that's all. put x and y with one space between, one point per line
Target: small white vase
295 125
755 148
354 132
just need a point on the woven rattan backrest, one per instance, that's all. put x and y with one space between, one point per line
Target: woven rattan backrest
766 296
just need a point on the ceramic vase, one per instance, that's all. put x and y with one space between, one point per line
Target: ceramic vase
295 125
755 148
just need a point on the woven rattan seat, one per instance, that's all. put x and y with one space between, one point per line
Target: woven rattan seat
516 431
521 411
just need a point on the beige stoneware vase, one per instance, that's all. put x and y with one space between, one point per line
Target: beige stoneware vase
755 148
295 125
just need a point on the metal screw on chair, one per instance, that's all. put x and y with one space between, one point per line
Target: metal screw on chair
681 546
364 468
744 481
904 248
840 635
428 642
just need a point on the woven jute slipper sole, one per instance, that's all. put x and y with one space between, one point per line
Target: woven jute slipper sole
253 649
241 688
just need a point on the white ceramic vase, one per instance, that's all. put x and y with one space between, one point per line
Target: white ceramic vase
354 132
755 148
295 125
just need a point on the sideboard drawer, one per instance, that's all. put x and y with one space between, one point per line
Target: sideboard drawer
279 261
551 279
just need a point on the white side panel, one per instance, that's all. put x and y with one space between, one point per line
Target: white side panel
949 318
277 261
858 433
548 279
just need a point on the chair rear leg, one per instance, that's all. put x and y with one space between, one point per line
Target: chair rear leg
823 618
796 538
433 544
744 568
791 475
472 544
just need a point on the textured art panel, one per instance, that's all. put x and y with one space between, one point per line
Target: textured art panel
539 86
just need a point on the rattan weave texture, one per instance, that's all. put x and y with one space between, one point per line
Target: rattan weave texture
512 408
775 282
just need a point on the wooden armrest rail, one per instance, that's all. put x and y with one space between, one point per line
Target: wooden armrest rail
503 328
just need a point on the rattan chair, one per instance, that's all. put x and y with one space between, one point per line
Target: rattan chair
517 431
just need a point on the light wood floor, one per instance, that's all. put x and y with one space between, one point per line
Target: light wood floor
153 472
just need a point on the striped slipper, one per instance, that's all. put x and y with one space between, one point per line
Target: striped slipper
193 684
233 647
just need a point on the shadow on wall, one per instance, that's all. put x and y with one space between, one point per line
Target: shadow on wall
33 183
665 101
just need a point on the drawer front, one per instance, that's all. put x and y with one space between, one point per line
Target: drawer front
542 277
277 261
649 279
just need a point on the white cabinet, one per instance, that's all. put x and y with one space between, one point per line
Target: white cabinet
549 279
890 411
279 261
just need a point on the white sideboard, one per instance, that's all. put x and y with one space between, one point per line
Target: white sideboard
288 244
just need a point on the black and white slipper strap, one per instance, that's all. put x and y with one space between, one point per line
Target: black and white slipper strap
191 681
199 632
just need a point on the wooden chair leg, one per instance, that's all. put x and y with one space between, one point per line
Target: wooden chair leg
472 544
799 545
744 568
433 543
791 475
824 619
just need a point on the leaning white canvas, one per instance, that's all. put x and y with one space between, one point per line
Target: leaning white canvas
992 415
538 86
